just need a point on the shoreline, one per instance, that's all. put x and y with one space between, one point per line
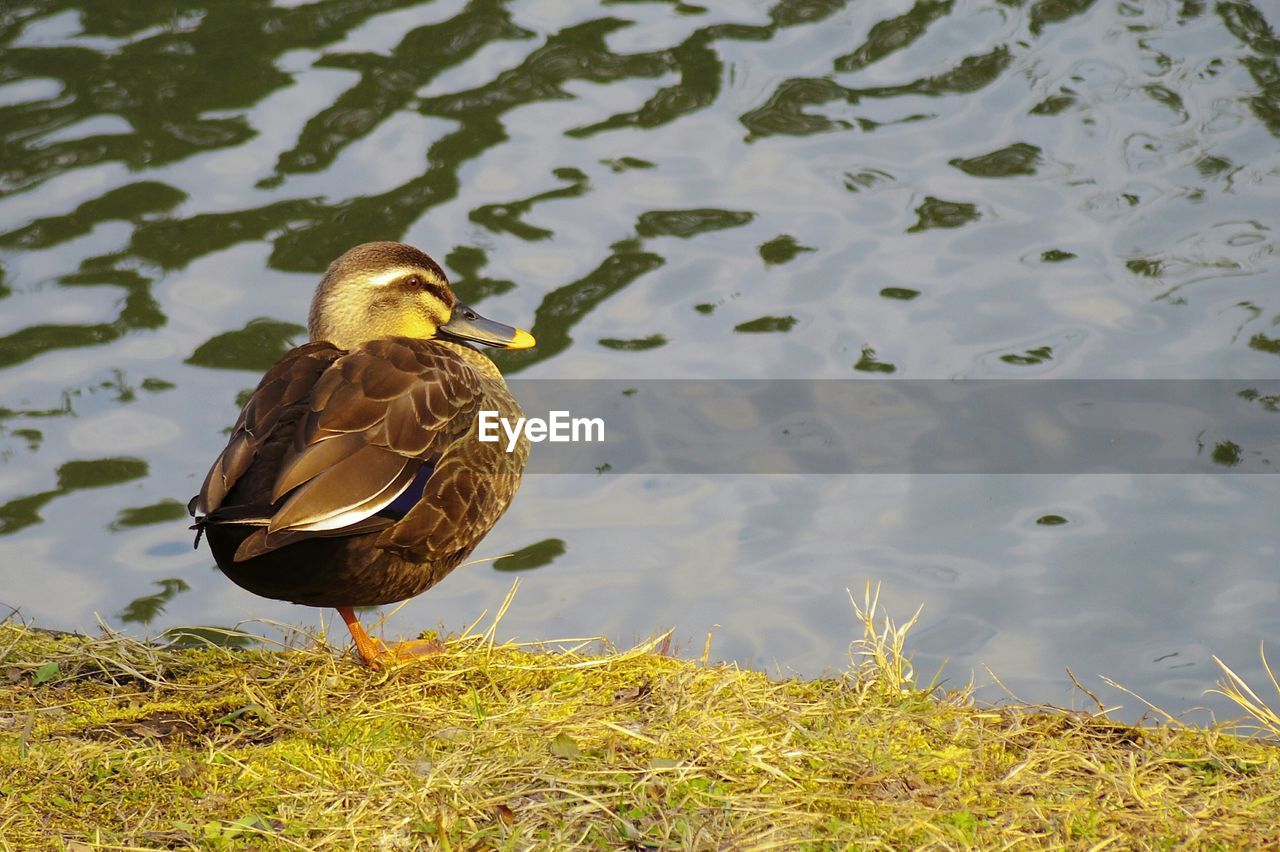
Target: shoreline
112 743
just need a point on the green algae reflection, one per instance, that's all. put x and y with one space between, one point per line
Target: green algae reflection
73 476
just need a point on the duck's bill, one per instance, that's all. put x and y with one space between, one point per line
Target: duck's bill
477 329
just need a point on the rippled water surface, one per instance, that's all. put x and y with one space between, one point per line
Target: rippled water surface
746 189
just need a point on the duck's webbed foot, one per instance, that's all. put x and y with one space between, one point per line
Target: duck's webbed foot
414 649
375 655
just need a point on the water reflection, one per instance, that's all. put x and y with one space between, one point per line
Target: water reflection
805 188
144 610
535 555
22 512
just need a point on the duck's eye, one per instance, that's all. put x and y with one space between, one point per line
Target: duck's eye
414 282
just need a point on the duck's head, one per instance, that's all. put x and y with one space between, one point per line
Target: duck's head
391 289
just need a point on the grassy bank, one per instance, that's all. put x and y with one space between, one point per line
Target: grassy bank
113 743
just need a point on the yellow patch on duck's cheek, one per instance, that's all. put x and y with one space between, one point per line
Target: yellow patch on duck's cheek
416 325
420 323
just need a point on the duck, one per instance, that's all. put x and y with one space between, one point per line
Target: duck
355 476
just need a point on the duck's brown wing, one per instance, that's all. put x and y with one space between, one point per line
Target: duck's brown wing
332 438
281 394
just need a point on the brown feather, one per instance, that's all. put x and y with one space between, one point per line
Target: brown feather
262 542
313 460
359 480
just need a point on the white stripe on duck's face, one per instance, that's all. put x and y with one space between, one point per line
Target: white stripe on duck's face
400 274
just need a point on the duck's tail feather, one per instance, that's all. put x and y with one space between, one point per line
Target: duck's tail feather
252 516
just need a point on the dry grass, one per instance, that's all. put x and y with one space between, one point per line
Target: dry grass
113 743
1267 721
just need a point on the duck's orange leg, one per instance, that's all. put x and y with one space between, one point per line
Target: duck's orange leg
374 653
369 649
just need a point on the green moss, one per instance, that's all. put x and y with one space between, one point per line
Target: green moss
110 741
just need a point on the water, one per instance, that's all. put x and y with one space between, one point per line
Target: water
745 190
